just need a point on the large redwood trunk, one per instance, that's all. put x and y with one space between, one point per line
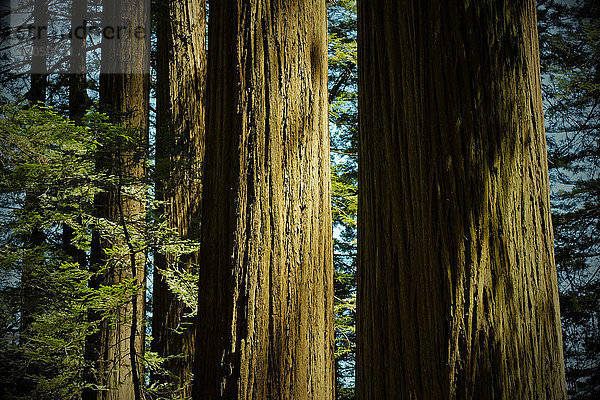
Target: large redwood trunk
457 292
265 327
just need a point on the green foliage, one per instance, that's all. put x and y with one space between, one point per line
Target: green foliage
163 386
343 118
43 159
48 182
184 285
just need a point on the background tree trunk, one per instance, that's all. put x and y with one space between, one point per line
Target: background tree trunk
34 240
78 99
78 103
124 91
39 57
179 153
265 328
457 293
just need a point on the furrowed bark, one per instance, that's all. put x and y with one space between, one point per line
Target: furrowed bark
265 327
457 291
179 153
124 90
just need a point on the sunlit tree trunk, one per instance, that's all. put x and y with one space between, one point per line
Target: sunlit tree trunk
179 152
124 91
265 327
457 292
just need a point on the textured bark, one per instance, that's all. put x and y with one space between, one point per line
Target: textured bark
265 328
457 292
119 345
179 153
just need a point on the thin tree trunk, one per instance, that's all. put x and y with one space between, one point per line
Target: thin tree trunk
265 328
39 58
179 153
34 240
124 91
78 101
457 292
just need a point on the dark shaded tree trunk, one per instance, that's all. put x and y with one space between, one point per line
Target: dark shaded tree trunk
39 58
265 328
179 153
78 99
457 292
124 94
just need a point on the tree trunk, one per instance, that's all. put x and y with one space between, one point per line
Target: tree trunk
34 240
265 328
39 58
457 292
78 101
124 90
179 153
